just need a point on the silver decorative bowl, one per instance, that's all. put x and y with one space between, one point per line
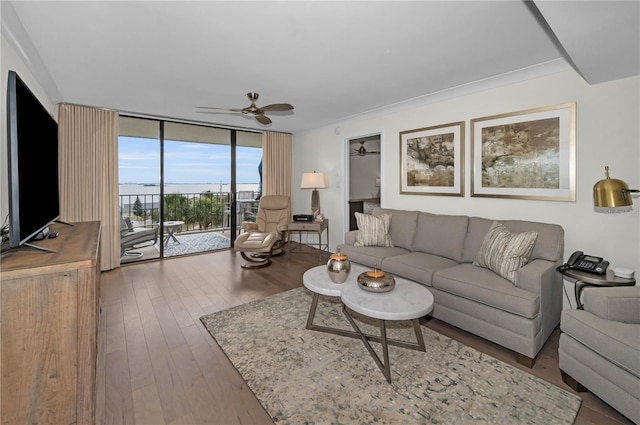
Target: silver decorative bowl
338 267
376 281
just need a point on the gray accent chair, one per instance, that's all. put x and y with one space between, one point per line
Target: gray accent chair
599 347
131 238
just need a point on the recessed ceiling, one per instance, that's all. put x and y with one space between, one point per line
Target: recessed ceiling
331 60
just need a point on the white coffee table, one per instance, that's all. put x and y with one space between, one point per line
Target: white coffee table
407 301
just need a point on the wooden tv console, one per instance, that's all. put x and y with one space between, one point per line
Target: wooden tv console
49 327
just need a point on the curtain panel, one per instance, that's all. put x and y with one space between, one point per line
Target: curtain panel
277 157
277 160
88 147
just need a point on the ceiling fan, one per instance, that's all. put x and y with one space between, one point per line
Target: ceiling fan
253 110
362 151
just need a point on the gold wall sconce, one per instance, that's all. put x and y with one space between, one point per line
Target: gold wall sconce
612 195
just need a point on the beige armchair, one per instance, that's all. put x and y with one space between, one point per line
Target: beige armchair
266 237
599 347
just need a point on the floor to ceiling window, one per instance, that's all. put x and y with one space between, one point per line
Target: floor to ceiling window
195 185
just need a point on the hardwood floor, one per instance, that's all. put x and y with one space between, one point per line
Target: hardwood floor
157 364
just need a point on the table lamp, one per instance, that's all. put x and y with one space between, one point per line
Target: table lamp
314 181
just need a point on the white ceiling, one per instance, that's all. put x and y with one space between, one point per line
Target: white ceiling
331 60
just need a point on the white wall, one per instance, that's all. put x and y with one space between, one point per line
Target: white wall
9 60
608 133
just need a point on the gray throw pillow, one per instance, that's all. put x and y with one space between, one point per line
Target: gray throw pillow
504 252
373 230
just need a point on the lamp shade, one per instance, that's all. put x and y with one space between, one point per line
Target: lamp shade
611 195
314 181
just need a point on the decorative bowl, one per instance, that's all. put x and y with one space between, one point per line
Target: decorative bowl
376 281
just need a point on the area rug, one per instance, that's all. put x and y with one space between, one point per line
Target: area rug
309 377
196 242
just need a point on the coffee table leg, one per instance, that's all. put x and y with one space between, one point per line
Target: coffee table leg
419 337
385 350
312 310
326 329
385 365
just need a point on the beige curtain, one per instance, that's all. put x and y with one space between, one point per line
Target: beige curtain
277 165
88 149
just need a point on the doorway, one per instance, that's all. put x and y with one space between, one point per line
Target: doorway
364 171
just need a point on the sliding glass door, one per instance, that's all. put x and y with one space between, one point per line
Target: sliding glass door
183 180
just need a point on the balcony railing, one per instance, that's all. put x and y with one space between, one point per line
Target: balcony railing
198 211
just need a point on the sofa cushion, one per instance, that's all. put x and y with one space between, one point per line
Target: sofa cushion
505 252
403 225
549 243
416 266
373 230
484 286
369 255
440 235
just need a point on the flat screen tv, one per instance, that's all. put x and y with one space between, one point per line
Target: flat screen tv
32 143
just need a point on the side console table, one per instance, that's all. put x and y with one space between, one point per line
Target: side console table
583 279
310 227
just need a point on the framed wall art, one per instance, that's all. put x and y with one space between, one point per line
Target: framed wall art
527 154
432 160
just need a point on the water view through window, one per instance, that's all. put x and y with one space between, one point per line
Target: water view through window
194 212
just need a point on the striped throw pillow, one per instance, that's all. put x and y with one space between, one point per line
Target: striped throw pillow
504 252
373 230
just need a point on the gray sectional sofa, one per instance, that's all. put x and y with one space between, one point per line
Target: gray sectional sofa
438 251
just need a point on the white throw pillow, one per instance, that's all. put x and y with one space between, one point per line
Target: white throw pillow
373 230
504 252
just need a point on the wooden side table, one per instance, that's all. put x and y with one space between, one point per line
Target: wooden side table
583 279
310 227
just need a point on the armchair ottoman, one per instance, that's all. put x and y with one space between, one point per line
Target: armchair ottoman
599 347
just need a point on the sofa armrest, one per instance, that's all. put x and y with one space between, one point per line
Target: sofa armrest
541 278
619 304
531 276
350 237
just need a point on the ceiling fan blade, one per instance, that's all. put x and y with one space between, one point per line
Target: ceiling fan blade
263 120
219 109
223 112
277 107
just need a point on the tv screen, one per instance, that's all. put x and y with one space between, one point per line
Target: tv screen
33 163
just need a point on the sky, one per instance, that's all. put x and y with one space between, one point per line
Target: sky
139 162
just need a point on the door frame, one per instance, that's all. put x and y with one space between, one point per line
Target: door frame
346 168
